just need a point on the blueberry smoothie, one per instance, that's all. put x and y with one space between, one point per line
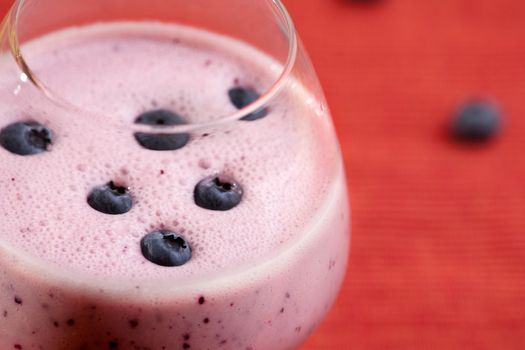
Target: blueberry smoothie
233 236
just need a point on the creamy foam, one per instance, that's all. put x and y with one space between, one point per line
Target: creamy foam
114 72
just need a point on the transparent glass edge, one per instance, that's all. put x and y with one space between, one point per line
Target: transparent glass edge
10 30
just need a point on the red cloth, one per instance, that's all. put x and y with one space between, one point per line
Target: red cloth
438 250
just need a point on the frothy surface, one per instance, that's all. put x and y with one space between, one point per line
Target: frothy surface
117 71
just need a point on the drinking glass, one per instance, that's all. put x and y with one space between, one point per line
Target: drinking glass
170 178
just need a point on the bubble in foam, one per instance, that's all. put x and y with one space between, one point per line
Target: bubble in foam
204 163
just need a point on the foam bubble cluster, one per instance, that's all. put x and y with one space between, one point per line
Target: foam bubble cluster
114 73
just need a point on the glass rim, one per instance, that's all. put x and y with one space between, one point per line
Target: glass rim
11 25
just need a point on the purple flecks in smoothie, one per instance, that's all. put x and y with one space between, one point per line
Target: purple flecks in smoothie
218 305
298 329
331 264
18 300
55 323
5 313
18 346
70 322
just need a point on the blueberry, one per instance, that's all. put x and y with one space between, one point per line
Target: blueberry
162 142
157 141
160 117
110 199
241 97
26 138
165 248
476 121
215 193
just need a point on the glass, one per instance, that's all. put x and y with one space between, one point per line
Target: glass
170 175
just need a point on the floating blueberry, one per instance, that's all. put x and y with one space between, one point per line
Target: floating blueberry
159 117
158 141
110 199
476 121
165 248
216 193
241 97
162 142
26 138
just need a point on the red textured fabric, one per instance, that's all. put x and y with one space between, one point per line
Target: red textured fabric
438 250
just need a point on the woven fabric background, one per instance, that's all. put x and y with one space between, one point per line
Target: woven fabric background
438 250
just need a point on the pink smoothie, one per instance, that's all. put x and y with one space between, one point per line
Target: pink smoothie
261 275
